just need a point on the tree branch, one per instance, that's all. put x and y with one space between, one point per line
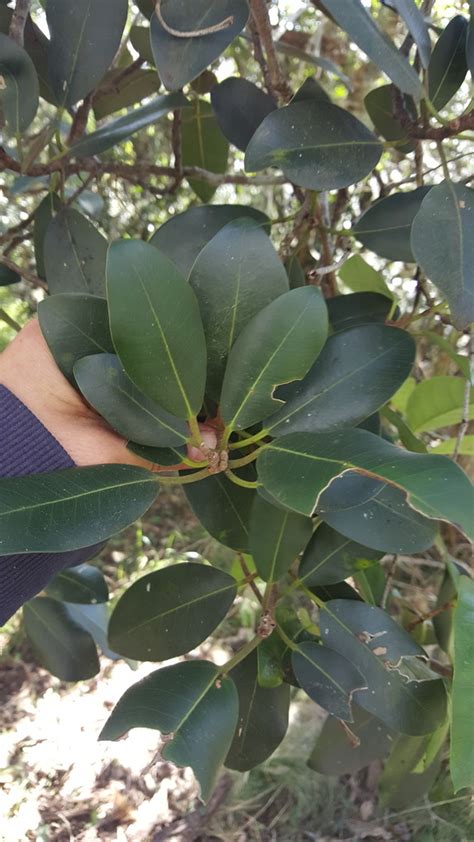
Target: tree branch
28 276
279 86
18 21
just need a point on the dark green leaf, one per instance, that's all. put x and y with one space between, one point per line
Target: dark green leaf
59 643
327 678
263 717
318 145
360 25
470 42
380 108
43 215
140 40
122 91
416 25
165 456
84 584
295 273
358 371
37 47
203 145
240 107
74 254
335 753
171 611
371 584
186 234
85 36
376 645
405 433
122 128
311 89
223 278
147 7
462 757
73 508
156 326
107 388
223 509
386 226
180 60
359 276
448 65
447 215
338 590
74 326
277 346
383 522
330 558
297 468
192 703
357 308
276 538
20 89
8 276
95 620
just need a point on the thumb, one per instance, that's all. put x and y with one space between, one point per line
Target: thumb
209 440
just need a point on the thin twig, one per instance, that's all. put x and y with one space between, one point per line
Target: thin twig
388 582
197 33
248 575
18 21
280 87
9 321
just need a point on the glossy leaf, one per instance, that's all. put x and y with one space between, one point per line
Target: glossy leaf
60 644
203 145
416 25
331 557
276 538
277 346
371 584
368 638
311 89
295 272
448 65
123 91
318 145
360 25
240 107
124 127
73 508
357 308
223 278
223 508
380 108
462 758
95 620
447 215
263 717
44 213
107 388
386 226
437 402
180 60
318 459
401 784
335 754
20 89
470 42
83 584
156 326
270 666
359 276
74 254
165 456
85 36
184 236
357 372
384 521
74 326
192 703
171 611
327 678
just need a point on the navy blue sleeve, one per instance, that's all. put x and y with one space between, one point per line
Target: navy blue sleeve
26 447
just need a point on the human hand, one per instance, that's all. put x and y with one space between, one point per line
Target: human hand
29 371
